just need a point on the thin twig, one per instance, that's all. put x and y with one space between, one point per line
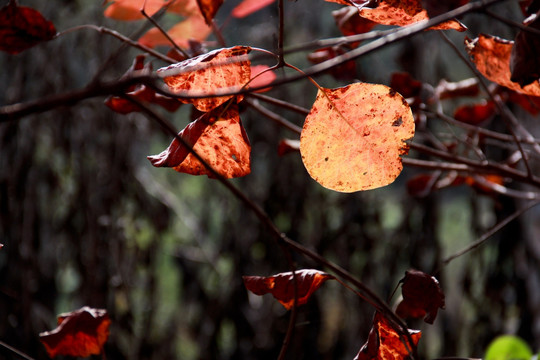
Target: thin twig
15 351
273 116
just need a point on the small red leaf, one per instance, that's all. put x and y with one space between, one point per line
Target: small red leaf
209 9
261 76
385 343
475 114
22 27
219 138
79 333
422 295
287 146
405 84
281 286
248 7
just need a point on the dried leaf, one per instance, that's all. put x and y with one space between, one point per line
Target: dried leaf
422 296
405 12
475 114
219 138
79 333
385 343
209 9
491 55
227 68
192 28
525 56
353 137
281 286
22 27
248 7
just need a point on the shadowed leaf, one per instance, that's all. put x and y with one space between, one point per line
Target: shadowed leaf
22 27
219 138
385 343
281 286
422 296
475 114
79 333
354 136
525 55
227 68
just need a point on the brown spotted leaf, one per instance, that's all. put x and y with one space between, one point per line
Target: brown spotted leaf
22 27
227 68
281 286
385 343
218 137
491 55
354 136
80 333
422 296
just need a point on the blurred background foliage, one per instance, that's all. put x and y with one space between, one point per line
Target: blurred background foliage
86 220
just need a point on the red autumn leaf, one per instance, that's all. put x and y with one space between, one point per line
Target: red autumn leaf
405 84
491 55
248 7
525 55
350 22
227 68
353 137
261 76
438 7
192 28
385 343
287 146
483 183
475 114
79 333
281 286
345 71
218 137
209 9
22 27
128 10
528 103
422 296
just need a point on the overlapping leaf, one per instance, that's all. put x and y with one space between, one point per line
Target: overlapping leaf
385 343
422 296
218 137
227 68
22 27
491 55
354 136
192 28
80 333
282 285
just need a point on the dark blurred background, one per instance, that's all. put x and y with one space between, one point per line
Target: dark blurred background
86 220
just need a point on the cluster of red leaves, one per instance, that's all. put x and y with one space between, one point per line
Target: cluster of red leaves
22 27
79 333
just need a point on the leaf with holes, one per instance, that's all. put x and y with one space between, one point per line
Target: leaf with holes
192 28
422 296
248 7
22 27
353 137
79 333
227 69
385 343
218 137
491 55
282 285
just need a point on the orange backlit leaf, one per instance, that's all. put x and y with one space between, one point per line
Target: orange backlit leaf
128 10
385 343
192 28
227 68
405 12
22 27
475 114
209 9
248 7
261 76
491 55
282 285
354 136
219 138
79 333
422 296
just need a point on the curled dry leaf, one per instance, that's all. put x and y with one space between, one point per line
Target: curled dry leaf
491 55
22 27
353 137
281 286
227 68
422 296
219 138
79 333
248 7
385 343
193 28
